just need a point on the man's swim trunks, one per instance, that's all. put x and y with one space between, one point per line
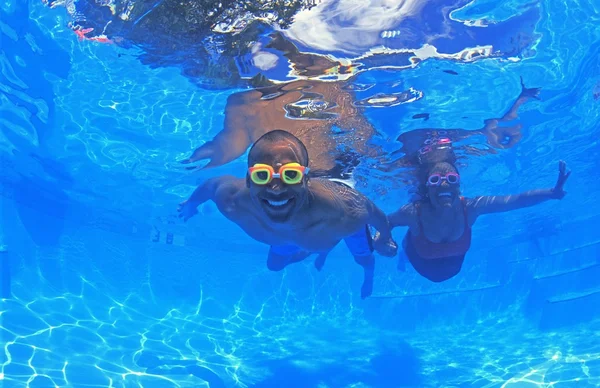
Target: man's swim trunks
359 243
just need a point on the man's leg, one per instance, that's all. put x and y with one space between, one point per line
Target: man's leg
368 264
320 261
361 246
281 256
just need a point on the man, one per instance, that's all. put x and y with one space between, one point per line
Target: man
278 204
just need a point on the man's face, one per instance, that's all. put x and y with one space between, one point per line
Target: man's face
278 200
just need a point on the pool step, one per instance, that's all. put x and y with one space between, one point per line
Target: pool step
580 235
570 309
566 287
454 306
451 291
545 276
561 273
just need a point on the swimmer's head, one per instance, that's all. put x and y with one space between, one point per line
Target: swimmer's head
434 150
442 183
277 199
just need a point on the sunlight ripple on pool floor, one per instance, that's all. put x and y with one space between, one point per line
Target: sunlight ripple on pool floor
94 340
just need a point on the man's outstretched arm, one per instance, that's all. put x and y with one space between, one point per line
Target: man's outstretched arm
206 191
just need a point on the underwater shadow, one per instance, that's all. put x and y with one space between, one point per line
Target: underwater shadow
155 365
391 367
399 367
33 60
41 202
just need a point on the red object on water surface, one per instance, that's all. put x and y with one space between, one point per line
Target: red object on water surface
81 34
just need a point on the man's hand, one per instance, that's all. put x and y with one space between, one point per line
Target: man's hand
187 210
387 248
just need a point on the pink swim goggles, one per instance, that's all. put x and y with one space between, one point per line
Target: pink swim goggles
437 179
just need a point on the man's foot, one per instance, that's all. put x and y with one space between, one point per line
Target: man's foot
368 264
367 287
401 262
320 261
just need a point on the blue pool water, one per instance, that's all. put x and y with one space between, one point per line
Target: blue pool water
102 285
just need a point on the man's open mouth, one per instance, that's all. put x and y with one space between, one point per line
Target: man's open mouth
277 203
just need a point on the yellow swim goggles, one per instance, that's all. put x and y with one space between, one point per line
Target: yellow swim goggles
289 173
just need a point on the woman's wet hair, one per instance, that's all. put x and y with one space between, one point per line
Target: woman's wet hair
442 167
277 136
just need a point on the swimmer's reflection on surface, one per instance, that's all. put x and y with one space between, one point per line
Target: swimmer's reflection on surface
320 114
327 117
501 133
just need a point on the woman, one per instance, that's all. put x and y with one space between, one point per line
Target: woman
439 223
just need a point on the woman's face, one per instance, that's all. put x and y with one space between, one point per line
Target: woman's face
443 186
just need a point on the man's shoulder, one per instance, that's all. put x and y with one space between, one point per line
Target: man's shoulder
340 201
335 190
228 187
232 197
